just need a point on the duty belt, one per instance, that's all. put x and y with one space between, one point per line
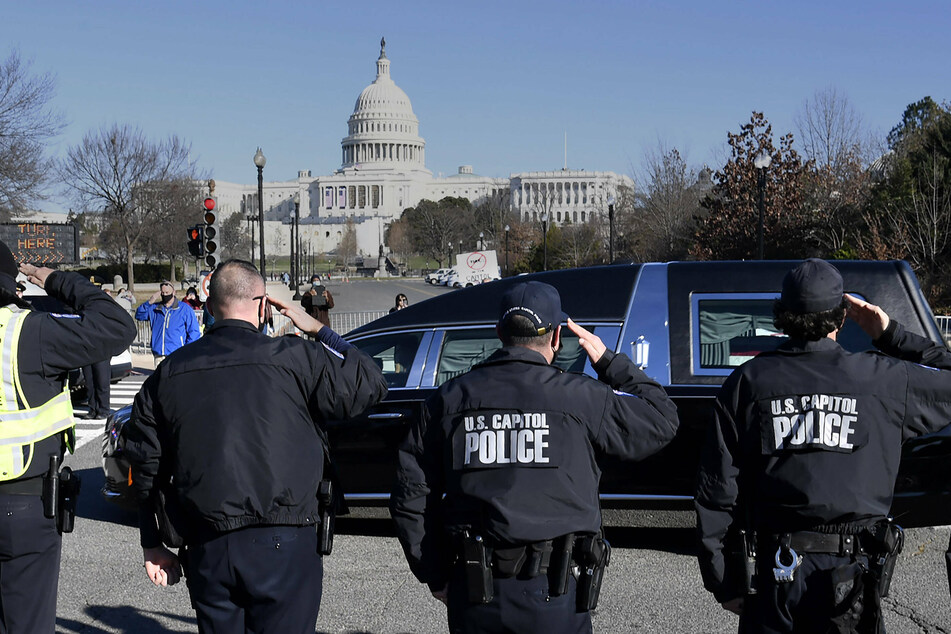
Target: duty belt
811 542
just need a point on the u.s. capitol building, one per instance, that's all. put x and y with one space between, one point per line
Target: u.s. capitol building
383 172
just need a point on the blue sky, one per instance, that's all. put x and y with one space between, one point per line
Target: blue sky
495 85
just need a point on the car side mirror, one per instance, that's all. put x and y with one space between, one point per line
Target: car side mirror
640 350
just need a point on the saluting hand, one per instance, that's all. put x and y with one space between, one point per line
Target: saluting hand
297 315
870 318
162 566
36 275
589 341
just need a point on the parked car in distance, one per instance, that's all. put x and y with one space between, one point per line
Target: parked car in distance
687 324
435 276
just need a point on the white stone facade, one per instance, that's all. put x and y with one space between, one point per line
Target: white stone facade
383 172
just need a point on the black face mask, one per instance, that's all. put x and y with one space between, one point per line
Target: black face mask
167 298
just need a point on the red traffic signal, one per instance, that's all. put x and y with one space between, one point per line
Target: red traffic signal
196 241
209 203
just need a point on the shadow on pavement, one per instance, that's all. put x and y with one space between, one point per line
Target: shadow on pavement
678 541
125 619
369 526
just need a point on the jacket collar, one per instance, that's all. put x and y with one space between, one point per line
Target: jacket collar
801 345
518 354
230 323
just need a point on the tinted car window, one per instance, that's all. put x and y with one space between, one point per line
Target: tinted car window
731 330
462 349
394 353
466 347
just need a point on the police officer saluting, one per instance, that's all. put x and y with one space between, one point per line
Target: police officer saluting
890 337
798 471
512 445
36 499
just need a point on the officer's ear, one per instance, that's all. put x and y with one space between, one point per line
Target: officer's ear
556 339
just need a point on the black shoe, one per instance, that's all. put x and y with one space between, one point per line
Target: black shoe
94 416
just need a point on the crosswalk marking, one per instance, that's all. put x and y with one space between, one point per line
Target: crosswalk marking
120 395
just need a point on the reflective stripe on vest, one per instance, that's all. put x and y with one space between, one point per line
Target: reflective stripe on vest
21 426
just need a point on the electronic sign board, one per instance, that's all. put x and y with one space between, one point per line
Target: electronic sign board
41 243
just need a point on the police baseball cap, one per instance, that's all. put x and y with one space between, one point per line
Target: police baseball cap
812 287
537 301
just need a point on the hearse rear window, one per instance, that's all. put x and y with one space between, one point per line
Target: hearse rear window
733 331
730 329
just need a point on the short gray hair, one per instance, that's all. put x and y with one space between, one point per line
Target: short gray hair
234 280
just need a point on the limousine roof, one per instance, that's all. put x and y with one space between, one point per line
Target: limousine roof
604 293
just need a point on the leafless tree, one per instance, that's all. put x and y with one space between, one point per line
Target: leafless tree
835 139
235 240
347 247
176 205
26 123
831 132
112 170
669 204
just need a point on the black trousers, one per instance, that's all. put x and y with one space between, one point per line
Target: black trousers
256 579
813 602
520 606
97 378
30 550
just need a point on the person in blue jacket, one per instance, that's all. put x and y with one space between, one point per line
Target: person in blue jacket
173 323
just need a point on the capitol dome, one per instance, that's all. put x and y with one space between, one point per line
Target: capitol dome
383 131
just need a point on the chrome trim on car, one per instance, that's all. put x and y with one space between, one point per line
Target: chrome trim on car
649 303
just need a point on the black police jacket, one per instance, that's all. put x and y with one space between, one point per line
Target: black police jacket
808 437
512 444
51 344
233 419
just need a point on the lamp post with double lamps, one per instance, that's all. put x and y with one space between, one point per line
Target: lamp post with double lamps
610 229
251 218
507 249
545 241
295 248
761 162
260 162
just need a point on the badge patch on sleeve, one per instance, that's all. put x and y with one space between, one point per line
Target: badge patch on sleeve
803 422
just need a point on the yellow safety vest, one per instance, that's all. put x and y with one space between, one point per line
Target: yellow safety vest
21 426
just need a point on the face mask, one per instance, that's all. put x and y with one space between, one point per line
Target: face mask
314 285
166 298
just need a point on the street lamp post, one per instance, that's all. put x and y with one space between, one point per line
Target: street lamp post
251 220
295 249
761 162
506 249
260 162
481 241
449 256
545 241
610 229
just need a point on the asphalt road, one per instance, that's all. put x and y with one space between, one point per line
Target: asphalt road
652 585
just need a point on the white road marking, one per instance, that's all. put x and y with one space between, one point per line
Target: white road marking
120 395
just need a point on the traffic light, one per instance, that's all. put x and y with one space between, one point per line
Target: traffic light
211 237
196 240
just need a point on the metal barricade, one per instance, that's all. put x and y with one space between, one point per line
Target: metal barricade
944 325
343 323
